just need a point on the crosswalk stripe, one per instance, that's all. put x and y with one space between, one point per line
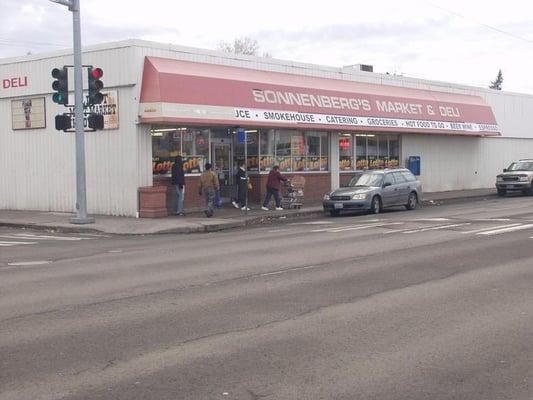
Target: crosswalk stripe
9 244
506 230
41 237
328 229
490 228
435 228
355 227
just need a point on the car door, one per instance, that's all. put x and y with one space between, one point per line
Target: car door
389 193
402 188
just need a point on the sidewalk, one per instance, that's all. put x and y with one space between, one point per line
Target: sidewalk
225 218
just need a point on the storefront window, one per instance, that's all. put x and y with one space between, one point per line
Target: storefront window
294 150
252 138
345 152
298 150
383 152
360 152
283 150
372 151
394 152
191 144
267 144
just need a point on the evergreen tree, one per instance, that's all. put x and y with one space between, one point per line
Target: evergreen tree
497 84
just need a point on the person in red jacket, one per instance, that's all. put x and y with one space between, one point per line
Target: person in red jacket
273 187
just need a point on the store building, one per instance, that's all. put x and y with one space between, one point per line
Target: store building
321 122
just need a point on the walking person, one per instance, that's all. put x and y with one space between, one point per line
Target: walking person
241 177
178 180
209 186
273 187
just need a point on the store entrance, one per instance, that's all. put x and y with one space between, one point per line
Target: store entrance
222 165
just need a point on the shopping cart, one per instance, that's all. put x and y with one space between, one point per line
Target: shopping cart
292 192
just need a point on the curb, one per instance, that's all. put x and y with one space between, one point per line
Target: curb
55 228
435 202
270 218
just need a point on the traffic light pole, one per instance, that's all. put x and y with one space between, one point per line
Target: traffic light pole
81 194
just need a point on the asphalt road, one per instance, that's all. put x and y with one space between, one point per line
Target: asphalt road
431 304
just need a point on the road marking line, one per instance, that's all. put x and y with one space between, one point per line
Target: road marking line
28 263
493 219
433 219
313 223
506 230
435 228
354 228
490 228
327 229
45 237
8 244
289 270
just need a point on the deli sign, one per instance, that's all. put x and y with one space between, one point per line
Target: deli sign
15 82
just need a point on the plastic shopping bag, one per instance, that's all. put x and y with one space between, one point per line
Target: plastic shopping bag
218 200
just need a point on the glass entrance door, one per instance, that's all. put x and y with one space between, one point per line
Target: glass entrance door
221 154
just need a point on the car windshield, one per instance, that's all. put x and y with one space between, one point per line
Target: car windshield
366 179
521 166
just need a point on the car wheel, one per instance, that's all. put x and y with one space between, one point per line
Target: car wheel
502 192
334 213
412 201
375 207
531 190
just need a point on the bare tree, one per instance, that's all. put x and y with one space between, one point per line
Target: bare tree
497 84
244 45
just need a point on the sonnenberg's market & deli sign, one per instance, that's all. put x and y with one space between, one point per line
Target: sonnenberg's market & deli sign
357 104
418 116
249 114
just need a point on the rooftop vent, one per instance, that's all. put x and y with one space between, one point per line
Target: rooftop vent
360 67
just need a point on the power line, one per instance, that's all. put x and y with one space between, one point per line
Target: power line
479 23
21 43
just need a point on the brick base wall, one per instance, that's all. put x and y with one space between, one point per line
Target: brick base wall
315 186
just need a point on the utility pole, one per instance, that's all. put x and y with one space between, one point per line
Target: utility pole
81 193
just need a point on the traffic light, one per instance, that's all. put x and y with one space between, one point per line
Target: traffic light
60 85
95 85
63 122
95 121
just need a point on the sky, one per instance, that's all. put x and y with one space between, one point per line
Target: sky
464 42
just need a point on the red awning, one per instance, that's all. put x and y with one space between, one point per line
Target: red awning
184 92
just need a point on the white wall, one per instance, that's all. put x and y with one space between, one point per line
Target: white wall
38 166
456 163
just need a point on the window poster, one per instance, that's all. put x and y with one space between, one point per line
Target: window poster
28 113
345 163
284 163
267 162
298 163
313 164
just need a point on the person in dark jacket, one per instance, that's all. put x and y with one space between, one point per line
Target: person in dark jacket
273 187
241 178
178 180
